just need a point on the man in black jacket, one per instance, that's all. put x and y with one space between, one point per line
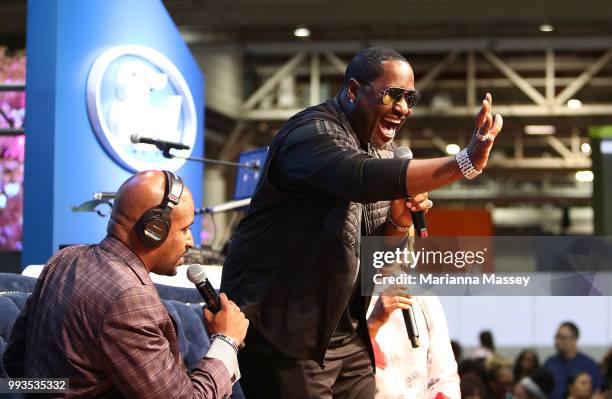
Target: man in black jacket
293 264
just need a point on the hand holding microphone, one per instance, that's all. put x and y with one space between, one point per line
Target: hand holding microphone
411 211
404 213
392 298
222 316
228 321
417 205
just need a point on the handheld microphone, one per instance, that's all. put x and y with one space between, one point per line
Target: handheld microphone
161 144
418 220
197 275
418 217
411 327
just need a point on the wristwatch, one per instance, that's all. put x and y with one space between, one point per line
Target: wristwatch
466 166
227 339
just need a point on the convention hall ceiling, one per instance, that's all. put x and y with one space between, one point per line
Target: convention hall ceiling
245 21
458 50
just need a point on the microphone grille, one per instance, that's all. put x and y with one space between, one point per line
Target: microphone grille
403 152
196 274
134 138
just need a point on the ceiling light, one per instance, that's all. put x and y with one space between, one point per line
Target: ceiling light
452 149
301 32
574 103
546 28
585 147
540 129
584 175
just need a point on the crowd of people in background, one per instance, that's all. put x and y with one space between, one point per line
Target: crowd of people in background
568 374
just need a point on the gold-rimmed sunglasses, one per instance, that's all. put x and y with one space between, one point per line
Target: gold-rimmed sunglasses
392 95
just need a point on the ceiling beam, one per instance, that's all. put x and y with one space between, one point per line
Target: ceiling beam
315 79
271 82
422 46
513 193
550 75
558 146
434 72
250 14
336 61
458 111
584 78
539 163
515 78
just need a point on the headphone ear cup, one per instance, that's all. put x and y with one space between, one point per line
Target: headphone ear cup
153 227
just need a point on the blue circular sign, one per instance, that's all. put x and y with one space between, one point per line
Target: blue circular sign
136 90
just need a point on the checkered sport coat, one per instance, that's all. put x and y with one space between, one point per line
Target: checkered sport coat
95 317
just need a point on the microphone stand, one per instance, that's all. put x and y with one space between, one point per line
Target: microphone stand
166 146
167 154
228 206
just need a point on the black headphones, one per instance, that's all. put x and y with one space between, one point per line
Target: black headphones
154 225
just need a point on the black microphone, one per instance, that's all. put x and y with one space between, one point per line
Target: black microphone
418 217
161 144
411 327
197 275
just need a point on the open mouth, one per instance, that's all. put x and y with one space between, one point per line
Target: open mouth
389 127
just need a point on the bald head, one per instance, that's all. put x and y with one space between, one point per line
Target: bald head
139 193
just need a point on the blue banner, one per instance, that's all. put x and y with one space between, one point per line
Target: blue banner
98 74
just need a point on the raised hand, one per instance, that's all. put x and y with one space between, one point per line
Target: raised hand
487 129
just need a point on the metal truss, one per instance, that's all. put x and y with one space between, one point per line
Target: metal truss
536 80
533 84
531 81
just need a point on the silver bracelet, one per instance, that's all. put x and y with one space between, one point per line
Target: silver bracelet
465 165
403 229
225 338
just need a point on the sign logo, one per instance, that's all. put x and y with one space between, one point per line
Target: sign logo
138 90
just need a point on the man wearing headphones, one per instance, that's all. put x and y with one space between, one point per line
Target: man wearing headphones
95 316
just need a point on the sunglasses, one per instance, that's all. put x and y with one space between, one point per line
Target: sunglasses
392 95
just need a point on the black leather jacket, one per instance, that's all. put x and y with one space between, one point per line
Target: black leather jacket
294 259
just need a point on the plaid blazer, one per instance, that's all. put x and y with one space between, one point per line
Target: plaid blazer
95 317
